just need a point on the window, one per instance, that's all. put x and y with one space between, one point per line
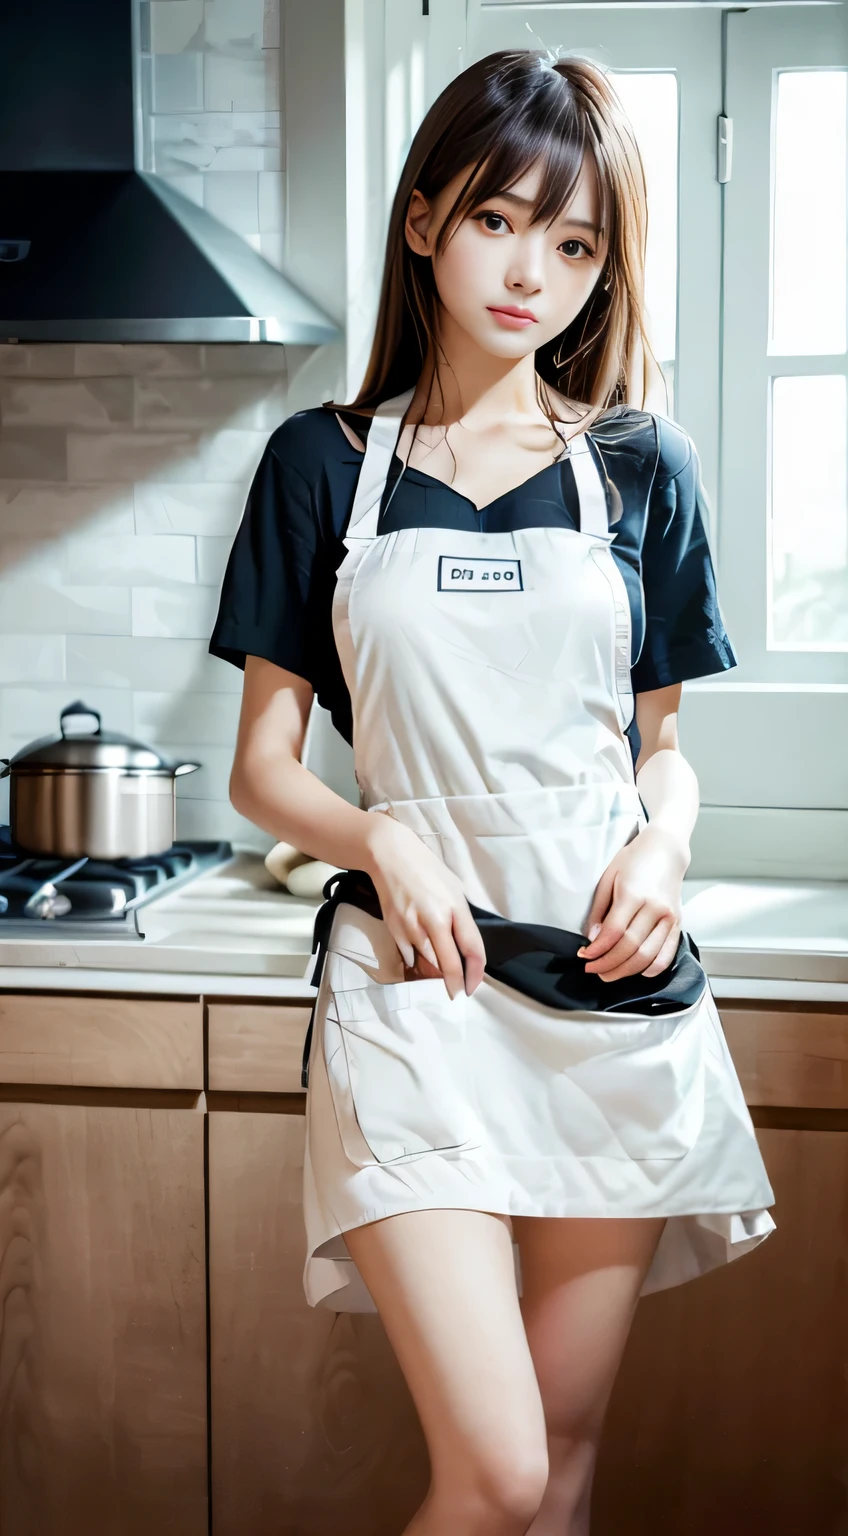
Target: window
808 514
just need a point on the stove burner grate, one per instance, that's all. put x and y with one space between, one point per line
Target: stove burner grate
88 893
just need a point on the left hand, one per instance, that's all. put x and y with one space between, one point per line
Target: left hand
638 908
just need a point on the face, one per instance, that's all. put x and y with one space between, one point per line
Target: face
496 258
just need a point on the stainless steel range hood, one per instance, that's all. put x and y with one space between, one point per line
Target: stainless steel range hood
91 247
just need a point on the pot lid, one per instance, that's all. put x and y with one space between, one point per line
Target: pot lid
82 743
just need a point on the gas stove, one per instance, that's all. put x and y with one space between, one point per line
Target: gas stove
84 898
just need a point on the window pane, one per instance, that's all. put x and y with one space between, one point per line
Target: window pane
808 597
650 100
809 228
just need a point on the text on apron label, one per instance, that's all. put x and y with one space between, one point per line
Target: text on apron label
473 573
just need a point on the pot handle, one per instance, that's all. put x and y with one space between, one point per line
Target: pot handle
185 768
78 708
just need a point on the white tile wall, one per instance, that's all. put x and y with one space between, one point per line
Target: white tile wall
211 120
123 474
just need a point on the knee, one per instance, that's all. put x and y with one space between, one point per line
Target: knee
504 1496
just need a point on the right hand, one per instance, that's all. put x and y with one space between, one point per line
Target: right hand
424 906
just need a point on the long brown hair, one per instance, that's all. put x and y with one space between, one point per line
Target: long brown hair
499 117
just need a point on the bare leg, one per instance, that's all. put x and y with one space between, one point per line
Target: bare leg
443 1282
580 1281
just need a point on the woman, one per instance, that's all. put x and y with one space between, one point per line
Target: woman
492 568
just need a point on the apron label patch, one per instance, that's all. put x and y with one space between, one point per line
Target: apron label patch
474 573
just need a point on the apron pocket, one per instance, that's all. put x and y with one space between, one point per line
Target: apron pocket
630 1087
397 1062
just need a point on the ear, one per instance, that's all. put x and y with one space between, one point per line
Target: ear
419 221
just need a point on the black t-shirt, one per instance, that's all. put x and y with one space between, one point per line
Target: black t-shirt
278 586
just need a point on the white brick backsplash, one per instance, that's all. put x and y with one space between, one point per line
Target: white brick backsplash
212 780
256 403
269 124
187 615
31 659
254 357
202 509
209 719
175 24
239 159
219 130
216 819
29 509
109 358
131 561
212 556
242 84
66 402
32 712
28 605
36 360
154 665
177 82
234 26
33 453
165 456
40 559
177 160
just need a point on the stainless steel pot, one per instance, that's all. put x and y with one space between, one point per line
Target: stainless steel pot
92 793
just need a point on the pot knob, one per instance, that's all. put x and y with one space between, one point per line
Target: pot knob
76 710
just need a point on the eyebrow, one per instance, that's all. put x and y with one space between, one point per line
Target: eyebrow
527 202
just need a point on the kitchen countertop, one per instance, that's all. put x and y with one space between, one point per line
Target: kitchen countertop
235 932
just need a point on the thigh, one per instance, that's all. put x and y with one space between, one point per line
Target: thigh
443 1282
581 1280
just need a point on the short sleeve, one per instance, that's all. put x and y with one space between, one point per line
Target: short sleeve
269 603
685 635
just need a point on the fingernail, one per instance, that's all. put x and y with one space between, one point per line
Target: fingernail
594 931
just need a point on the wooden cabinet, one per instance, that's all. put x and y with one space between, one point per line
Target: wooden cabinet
730 1411
103 1422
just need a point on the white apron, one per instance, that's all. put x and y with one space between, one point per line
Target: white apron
489 676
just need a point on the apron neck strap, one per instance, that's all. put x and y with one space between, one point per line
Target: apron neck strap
380 445
589 479
382 440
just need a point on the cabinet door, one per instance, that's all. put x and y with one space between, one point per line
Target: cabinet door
102 1321
313 1429
730 1410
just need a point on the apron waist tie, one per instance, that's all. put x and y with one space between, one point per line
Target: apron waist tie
536 960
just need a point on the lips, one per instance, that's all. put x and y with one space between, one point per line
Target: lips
511 309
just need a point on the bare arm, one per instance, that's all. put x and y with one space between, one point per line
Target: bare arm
421 900
666 781
269 784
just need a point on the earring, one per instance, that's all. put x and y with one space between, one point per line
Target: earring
608 283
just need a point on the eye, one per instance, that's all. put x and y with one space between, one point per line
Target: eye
488 213
581 246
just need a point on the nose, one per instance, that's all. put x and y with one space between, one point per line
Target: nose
526 268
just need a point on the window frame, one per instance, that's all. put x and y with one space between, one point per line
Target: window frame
761 43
